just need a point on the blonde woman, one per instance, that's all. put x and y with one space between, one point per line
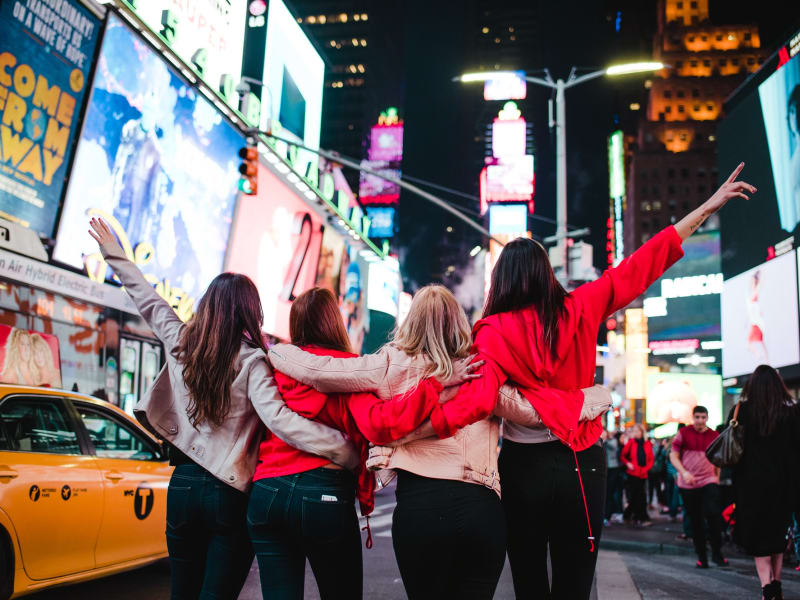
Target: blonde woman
448 529
19 366
43 360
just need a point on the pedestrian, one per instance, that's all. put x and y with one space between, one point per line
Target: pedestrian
766 476
448 528
698 481
302 506
210 404
613 481
655 481
637 456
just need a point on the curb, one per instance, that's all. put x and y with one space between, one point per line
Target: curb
645 547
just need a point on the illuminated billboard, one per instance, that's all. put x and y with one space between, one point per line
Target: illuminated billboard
508 218
616 188
159 163
377 190
276 240
508 138
386 143
381 221
509 180
506 85
207 35
294 76
384 286
671 397
44 70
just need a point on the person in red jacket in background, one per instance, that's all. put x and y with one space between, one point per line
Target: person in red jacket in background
303 506
637 456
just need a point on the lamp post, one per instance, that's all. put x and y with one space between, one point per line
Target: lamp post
560 123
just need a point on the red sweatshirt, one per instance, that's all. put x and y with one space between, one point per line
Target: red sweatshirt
630 454
513 346
363 417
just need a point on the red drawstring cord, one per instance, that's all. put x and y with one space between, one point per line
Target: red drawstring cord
585 505
368 543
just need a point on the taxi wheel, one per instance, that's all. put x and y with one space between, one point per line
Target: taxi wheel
6 565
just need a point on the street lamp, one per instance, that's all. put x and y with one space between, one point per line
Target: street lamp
559 122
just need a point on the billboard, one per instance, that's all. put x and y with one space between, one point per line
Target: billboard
275 240
509 180
508 138
386 143
377 190
159 163
508 218
333 261
45 59
207 35
381 221
384 286
508 85
29 357
672 396
760 318
294 74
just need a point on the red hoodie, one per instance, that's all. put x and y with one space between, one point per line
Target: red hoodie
363 417
513 346
630 454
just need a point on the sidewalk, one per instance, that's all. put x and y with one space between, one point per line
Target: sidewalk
660 538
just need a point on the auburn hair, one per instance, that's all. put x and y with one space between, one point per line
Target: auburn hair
228 314
315 320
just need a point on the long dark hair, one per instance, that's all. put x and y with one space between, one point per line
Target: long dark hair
315 320
523 277
768 398
228 313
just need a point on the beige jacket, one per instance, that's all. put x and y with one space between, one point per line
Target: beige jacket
470 455
230 451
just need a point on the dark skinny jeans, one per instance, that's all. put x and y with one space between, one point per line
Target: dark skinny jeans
209 550
449 538
702 506
307 515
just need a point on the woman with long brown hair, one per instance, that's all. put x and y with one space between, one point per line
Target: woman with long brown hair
208 403
448 529
302 506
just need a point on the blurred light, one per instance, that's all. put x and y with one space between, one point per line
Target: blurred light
343 17
637 67
341 222
474 252
364 17
485 30
471 77
635 106
449 229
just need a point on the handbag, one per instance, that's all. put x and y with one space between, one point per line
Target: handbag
727 449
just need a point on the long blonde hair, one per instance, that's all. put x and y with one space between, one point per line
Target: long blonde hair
437 327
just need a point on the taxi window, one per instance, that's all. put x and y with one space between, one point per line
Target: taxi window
112 438
37 425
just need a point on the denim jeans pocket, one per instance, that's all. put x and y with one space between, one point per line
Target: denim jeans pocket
325 518
178 506
262 498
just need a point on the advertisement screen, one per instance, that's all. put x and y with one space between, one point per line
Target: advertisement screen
386 143
672 396
355 297
508 218
208 34
759 317
29 357
377 190
275 241
294 74
506 86
45 59
508 139
384 286
510 179
382 225
333 261
158 162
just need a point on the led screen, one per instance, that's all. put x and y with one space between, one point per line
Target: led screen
386 143
672 396
384 286
276 241
506 86
508 138
759 317
510 179
377 190
45 62
508 218
382 221
158 162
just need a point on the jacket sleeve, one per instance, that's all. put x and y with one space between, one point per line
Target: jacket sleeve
292 428
513 406
384 421
328 374
160 316
619 286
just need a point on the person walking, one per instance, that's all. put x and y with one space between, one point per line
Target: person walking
698 481
302 506
637 456
210 403
614 477
766 476
655 479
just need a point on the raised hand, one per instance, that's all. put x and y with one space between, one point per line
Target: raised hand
102 234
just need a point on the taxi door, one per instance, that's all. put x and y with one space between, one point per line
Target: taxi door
135 477
49 488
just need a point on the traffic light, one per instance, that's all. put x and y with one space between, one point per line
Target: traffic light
248 183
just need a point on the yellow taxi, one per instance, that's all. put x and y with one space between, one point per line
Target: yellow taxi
83 490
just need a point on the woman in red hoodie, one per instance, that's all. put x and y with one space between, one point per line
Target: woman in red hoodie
302 505
535 334
637 456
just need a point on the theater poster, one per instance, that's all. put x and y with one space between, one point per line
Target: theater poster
29 357
46 53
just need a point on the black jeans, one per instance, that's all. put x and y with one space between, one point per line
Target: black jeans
544 506
449 538
637 498
702 505
209 550
614 484
307 515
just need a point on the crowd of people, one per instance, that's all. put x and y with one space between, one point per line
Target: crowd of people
271 447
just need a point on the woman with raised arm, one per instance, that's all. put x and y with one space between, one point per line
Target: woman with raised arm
208 403
448 530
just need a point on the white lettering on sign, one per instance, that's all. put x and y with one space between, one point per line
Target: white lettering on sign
696 285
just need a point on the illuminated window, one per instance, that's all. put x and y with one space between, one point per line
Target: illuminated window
496 40
364 17
511 30
355 42
512 37
322 19
299 20
343 17
350 126
657 205
731 37
356 17
352 68
333 43
361 68
311 19
485 30
635 106
363 42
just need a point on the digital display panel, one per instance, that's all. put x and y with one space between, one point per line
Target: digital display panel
509 180
506 86
508 218
45 60
158 162
29 357
377 190
382 221
508 139
386 143
671 397
759 317
384 286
